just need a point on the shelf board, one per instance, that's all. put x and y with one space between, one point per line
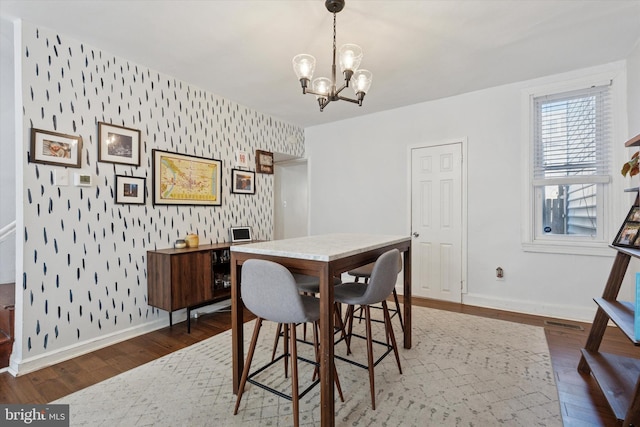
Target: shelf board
622 314
628 251
616 376
633 142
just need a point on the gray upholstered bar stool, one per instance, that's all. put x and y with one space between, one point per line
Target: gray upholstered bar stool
271 293
364 272
381 283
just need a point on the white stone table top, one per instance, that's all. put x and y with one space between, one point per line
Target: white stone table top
324 247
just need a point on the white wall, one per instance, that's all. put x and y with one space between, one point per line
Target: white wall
359 182
7 145
633 84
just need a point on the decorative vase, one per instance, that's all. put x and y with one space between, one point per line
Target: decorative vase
192 240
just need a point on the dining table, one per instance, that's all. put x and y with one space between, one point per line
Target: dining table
325 256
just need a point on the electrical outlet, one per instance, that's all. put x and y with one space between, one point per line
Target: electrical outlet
499 273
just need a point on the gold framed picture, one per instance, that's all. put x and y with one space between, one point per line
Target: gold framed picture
180 179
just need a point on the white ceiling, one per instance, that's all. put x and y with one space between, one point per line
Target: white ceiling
418 50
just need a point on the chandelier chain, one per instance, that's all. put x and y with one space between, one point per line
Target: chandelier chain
334 31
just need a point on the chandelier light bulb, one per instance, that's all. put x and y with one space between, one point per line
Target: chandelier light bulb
362 81
350 57
304 65
321 86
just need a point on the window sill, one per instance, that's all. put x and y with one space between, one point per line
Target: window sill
596 249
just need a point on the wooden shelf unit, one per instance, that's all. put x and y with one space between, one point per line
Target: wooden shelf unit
618 377
188 278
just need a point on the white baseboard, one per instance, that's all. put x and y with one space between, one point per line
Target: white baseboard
567 312
30 364
24 366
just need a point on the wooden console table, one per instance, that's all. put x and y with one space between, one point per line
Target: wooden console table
188 278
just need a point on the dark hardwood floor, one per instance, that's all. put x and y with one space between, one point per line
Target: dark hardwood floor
581 401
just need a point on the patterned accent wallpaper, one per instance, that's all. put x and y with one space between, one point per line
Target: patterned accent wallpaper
85 256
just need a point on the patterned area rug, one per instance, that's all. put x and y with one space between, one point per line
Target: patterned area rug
462 371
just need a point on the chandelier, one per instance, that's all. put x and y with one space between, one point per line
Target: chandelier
350 55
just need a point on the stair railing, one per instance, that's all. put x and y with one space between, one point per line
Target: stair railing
7 231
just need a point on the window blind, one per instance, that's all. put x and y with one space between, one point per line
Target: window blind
571 136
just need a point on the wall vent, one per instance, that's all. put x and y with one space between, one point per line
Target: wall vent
563 325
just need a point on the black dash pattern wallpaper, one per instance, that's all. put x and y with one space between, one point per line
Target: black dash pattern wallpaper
84 273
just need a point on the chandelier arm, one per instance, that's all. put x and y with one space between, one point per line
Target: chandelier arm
342 98
309 91
337 92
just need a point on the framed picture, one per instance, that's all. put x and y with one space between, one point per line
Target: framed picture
242 159
240 234
117 144
130 190
264 161
180 179
53 148
243 182
628 234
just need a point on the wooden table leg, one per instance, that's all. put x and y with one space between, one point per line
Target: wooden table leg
407 298
327 404
237 332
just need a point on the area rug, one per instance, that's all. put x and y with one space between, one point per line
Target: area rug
462 370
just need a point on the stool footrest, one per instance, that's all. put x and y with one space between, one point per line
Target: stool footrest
278 392
360 365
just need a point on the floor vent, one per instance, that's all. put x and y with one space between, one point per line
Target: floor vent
563 325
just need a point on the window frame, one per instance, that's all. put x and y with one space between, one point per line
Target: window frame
531 194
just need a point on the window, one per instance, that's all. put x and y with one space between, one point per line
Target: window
571 167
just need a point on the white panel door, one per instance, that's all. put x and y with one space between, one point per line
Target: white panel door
436 221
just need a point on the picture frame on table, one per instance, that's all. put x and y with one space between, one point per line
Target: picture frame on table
118 144
54 148
243 182
628 235
181 179
130 190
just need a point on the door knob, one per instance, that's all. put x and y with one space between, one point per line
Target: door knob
416 234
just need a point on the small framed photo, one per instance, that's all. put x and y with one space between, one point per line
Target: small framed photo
117 144
53 148
130 190
264 161
628 236
243 182
242 159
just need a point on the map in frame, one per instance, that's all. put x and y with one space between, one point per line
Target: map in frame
180 179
